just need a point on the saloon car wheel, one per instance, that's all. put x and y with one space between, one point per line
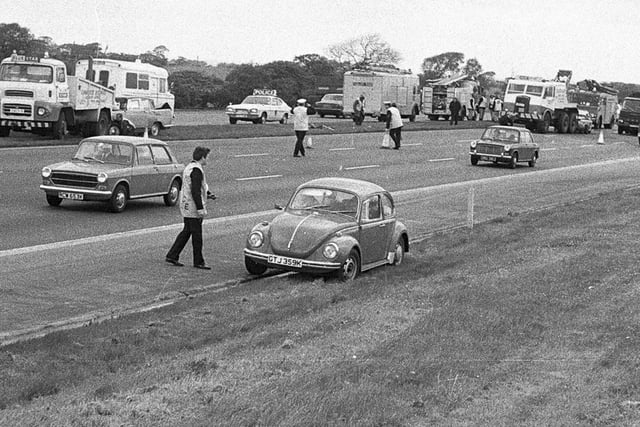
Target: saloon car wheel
514 161
253 267
398 255
155 129
119 199
474 160
233 121
284 119
53 200
171 198
351 267
533 160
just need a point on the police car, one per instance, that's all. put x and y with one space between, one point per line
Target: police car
261 107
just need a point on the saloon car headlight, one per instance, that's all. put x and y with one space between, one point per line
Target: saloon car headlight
102 177
330 251
256 239
473 144
506 148
229 110
46 172
253 111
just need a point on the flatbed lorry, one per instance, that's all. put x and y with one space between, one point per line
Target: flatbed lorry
37 95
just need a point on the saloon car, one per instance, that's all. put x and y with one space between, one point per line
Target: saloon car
259 109
505 144
330 225
330 105
137 114
585 121
115 169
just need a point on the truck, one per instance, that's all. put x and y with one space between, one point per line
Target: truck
379 84
538 103
437 95
39 96
129 79
629 118
600 101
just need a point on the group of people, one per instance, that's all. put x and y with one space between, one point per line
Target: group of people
476 110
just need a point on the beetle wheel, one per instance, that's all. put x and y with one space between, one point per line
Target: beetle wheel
351 267
253 267
398 254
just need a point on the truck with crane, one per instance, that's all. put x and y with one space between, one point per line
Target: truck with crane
37 95
600 101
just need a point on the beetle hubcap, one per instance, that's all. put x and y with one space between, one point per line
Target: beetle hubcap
399 255
349 267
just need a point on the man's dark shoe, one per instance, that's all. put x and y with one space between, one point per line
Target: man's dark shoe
202 266
174 262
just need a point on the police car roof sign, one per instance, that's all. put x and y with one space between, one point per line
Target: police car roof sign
268 92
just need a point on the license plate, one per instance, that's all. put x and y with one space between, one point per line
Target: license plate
282 260
72 196
16 110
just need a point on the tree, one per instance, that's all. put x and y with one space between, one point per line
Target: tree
436 67
14 37
364 50
472 68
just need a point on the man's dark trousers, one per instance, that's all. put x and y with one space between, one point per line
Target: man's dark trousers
192 228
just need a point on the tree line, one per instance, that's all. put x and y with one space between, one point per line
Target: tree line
197 84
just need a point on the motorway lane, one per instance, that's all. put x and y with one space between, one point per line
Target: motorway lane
253 174
50 283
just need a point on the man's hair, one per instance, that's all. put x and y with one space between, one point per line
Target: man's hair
200 152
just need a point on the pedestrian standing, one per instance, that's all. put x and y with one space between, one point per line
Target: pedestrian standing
454 108
358 110
193 197
497 108
492 107
472 108
300 126
482 106
394 123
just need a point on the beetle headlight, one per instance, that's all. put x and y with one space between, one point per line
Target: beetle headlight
256 239
473 144
330 251
102 177
46 172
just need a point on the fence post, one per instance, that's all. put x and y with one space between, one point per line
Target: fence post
470 206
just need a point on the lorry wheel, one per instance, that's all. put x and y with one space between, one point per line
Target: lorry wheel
4 131
562 123
155 129
103 123
599 123
573 123
609 125
60 127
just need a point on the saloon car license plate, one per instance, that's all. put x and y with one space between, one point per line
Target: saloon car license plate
72 196
289 262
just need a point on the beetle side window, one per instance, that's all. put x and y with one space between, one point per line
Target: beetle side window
144 155
387 206
371 209
160 155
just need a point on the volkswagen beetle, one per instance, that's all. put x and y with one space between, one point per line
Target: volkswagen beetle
330 225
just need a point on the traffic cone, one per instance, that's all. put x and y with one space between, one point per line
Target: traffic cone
601 138
146 133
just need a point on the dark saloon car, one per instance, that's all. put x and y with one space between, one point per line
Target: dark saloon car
505 144
330 105
115 169
330 225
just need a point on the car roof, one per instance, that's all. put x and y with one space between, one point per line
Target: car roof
508 128
348 184
134 140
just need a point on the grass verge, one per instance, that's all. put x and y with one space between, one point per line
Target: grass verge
525 320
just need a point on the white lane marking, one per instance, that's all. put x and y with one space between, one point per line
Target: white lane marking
342 149
548 149
412 144
127 234
361 167
41 147
251 155
465 140
587 145
442 160
258 177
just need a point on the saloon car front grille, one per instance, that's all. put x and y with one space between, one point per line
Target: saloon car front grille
489 149
22 93
74 179
16 110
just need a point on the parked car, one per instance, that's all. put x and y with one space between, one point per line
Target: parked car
259 109
115 169
629 117
330 225
330 105
585 121
505 144
137 114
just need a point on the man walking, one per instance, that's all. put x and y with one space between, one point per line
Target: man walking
394 123
300 126
358 110
193 197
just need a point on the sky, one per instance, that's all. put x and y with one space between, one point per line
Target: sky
596 39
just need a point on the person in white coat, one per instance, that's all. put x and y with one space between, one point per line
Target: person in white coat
300 126
394 123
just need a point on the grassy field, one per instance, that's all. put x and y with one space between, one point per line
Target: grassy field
527 320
